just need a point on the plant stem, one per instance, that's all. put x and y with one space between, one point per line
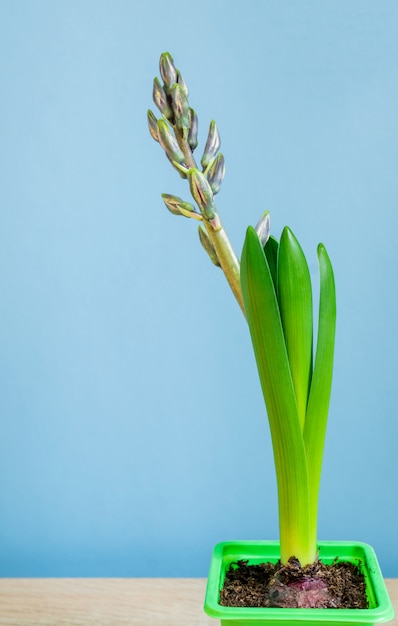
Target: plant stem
225 253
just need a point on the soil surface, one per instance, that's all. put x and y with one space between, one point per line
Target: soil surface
339 585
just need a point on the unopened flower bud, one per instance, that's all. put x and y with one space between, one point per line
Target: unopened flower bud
180 107
215 173
168 71
169 142
160 99
208 246
202 193
263 228
193 130
182 83
153 125
177 206
212 145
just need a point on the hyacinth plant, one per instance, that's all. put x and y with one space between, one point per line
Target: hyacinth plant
272 286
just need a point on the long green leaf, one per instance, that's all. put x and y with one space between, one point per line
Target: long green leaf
271 252
273 366
295 303
319 398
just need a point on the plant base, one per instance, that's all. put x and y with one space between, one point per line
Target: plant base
340 585
255 552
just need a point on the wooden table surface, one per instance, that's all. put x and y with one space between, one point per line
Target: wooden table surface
112 602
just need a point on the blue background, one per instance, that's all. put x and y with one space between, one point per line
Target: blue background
128 384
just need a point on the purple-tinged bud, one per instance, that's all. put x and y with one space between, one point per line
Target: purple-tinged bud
202 193
167 69
160 99
180 107
153 125
208 246
177 206
169 142
215 173
193 130
182 83
212 145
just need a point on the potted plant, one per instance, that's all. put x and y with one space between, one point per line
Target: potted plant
293 579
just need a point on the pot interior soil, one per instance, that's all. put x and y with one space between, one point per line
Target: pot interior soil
318 585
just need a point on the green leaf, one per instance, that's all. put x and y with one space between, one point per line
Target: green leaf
265 326
319 398
271 252
295 303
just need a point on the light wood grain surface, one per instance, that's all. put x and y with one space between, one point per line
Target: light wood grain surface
112 602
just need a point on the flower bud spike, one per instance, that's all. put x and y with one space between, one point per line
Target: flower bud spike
160 99
212 145
167 69
208 246
153 125
202 193
182 83
177 206
193 130
169 142
263 228
215 173
180 107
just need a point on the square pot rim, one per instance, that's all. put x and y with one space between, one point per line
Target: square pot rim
383 612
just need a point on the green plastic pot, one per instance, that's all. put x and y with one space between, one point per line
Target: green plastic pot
380 607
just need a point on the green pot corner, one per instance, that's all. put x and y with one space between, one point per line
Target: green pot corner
380 606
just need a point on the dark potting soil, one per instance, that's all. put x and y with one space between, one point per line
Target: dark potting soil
340 585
